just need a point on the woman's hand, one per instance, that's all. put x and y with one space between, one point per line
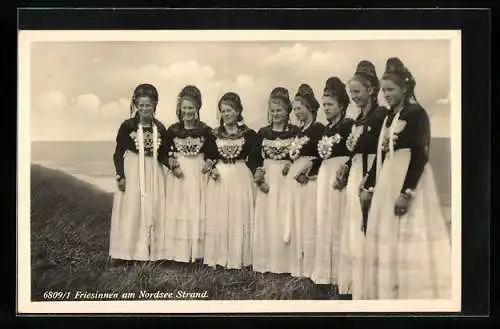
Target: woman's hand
402 204
208 166
339 184
259 175
121 184
264 187
173 163
286 168
214 174
365 199
341 177
178 172
307 168
302 179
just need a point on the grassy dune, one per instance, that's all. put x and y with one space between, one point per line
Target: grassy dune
70 222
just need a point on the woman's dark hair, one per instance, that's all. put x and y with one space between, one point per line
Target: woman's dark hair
144 90
232 99
282 97
335 88
190 93
398 73
305 95
367 75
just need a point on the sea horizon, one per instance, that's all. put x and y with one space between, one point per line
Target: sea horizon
92 161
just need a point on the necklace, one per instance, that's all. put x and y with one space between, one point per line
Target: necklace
228 148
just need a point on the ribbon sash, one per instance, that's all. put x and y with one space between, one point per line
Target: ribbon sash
147 220
379 147
382 137
393 243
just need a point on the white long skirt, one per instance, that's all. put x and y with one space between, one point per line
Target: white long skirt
185 211
330 221
270 252
300 213
407 257
350 280
130 236
230 216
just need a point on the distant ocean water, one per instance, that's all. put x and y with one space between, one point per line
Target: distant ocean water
93 162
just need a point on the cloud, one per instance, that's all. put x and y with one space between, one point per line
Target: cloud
287 55
91 103
50 102
188 70
299 57
245 80
86 116
114 109
444 101
320 58
87 105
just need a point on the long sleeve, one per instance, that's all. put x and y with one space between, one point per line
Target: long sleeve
372 174
255 159
344 132
420 135
368 141
209 147
315 167
251 142
164 148
121 147
315 138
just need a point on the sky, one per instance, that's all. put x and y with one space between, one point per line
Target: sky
81 90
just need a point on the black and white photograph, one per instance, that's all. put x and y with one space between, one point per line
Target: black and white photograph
239 171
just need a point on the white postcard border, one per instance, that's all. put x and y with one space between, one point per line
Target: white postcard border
24 303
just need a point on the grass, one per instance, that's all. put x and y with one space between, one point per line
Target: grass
70 221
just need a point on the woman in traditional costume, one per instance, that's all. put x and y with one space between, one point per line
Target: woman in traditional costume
364 87
137 215
271 251
300 212
230 198
407 249
331 192
191 148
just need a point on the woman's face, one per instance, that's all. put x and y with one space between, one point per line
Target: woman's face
360 95
188 110
302 113
277 112
331 107
145 108
228 114
393 93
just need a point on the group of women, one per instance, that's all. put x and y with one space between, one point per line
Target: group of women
351 205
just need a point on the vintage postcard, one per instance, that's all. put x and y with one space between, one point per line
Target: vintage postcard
233 171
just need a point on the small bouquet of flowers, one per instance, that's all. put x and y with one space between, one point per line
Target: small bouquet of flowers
342 176
259 179
352 139
399 126
286 168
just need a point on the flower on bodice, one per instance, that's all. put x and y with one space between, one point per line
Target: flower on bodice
230 148
296 146
325 145
189 146
352 139
399 126
276 149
